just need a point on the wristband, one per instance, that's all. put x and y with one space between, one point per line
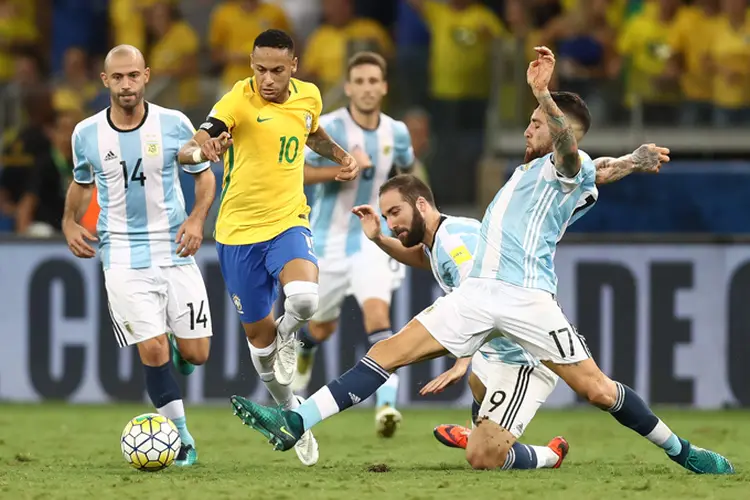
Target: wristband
198 156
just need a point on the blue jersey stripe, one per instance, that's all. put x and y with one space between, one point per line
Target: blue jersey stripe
324 207
327 193
364 191
135 198
172 135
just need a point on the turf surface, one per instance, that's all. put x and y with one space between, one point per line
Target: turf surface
64 451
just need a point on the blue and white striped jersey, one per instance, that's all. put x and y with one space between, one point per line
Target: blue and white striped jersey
529 215
138 185
336 230
451 260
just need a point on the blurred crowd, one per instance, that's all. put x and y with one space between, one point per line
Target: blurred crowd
453 65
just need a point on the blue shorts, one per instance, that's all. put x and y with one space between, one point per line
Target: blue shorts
251 272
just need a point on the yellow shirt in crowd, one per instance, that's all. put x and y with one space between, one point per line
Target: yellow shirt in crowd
461 48
730 53
234 29
168 54
692 35
17 24
329 48
645 42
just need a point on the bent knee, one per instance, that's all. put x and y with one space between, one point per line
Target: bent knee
155 351
195 351
302 298
488 446
197 357
486 457
601 393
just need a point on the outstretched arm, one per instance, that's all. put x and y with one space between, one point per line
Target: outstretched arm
411 256
647 158
567 159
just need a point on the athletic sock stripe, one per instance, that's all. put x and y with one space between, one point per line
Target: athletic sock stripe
375 367
519 393
376 337
119 334
510 459
620 398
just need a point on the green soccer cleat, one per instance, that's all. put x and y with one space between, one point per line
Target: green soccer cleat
703 461
187 456
182 366
273 423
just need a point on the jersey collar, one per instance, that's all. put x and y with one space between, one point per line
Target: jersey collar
434 235
116 129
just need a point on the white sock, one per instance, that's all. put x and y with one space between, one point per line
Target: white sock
263 362
172 410
545 457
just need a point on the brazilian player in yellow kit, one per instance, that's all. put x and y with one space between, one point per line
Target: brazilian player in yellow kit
261 128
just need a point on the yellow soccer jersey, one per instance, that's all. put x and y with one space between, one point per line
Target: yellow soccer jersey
262 193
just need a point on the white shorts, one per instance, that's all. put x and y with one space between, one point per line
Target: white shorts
482 309
514 392
368 274
146 303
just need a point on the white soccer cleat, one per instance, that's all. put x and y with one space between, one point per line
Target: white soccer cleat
307 447
285 363
304 370
387 420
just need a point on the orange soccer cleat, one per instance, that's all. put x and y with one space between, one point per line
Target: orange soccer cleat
561 447
453 436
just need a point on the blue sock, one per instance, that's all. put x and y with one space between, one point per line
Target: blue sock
351 388
632 412
165 395
520 456
475 406
185 436
388 392
309 344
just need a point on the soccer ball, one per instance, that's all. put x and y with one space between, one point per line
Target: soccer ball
150 442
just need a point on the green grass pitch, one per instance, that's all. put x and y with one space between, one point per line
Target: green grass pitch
65 451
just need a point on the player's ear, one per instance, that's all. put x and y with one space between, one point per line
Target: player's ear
146 75
347 88
105 80
294 65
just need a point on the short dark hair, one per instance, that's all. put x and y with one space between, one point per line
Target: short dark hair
574 107
410 187
362 58
275 39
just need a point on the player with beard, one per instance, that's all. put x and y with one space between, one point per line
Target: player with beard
446 245
146 239
350 264
509 291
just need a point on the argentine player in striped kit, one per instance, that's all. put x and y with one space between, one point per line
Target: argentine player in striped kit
508 385
349 263
146 239
510 291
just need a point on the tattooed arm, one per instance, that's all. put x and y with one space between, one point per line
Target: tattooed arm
567 159
320 142
538 76
647 158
